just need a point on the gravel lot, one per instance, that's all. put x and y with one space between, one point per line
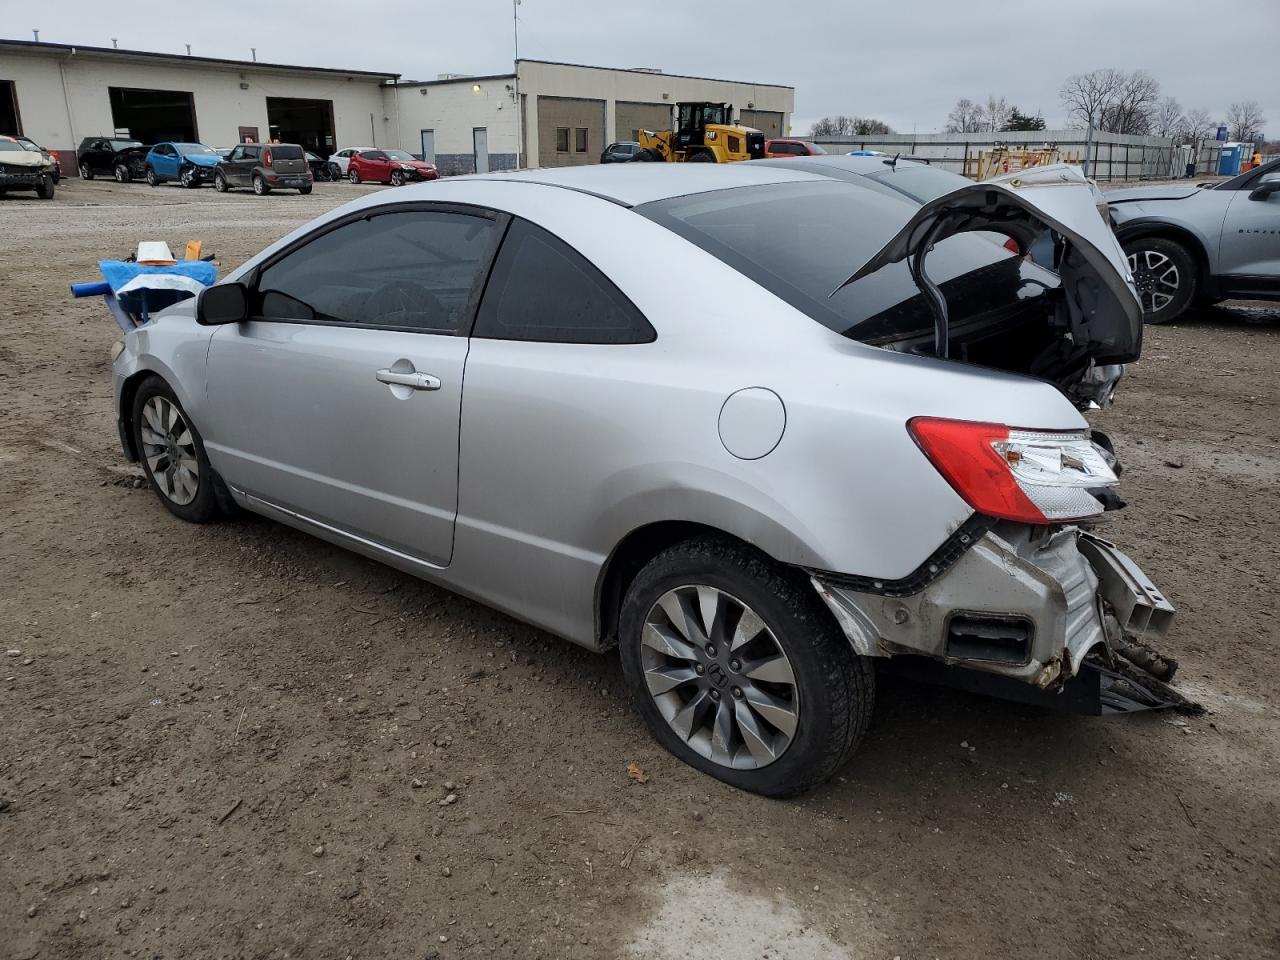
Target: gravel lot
237 741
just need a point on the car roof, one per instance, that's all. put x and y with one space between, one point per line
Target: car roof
631 184
836 163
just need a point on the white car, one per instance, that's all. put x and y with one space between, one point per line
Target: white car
725 420
342 159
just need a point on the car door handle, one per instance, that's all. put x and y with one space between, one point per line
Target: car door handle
415 381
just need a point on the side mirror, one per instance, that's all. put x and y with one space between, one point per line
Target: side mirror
1265 188
222 303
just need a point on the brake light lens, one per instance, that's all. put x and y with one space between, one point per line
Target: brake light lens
266 158
1031 476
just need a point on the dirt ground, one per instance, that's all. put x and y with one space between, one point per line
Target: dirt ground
237 741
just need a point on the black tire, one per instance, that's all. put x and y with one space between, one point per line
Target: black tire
305 190
187 177
397 178
152 179
352 175
211 493
220 182
86 172
335 172
122 173
649 155
46 188
835 687
260 185
702 156
1154 261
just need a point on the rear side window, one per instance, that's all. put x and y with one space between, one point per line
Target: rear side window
412 270
544 290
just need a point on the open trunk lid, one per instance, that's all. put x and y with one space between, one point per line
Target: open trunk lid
1098 308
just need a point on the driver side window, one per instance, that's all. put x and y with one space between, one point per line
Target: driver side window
412 270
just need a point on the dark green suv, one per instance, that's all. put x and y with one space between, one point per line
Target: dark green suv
264 167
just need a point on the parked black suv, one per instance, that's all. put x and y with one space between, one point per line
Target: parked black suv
119 157
264 166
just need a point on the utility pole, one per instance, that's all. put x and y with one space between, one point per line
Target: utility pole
515 29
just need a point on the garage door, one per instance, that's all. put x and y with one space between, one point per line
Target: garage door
308 123
766 121
153 115
570 132
633 117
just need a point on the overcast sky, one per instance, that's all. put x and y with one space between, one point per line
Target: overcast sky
904 62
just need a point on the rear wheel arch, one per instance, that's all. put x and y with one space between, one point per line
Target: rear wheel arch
640 546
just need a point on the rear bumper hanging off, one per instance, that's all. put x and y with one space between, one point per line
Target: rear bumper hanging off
1024 615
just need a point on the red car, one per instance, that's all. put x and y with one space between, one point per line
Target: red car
792 148
388 166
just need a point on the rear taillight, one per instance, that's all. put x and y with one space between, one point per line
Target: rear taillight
1032 476
266 158
1012 246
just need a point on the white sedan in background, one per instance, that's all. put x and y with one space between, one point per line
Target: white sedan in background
342 158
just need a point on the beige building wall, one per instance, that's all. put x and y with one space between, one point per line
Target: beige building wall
62 97
453 110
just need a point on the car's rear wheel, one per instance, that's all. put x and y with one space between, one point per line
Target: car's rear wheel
1165 274
122 173
152 179
305 190
172 454
352 175
739 670
260 186
86 172
220 182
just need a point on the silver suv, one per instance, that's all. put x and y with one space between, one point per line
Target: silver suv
1199 242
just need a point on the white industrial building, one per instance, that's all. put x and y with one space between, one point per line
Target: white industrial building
543 113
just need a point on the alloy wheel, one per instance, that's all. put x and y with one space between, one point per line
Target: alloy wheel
1156 277
719 677
169 448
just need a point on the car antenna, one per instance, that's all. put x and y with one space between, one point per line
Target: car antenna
893 164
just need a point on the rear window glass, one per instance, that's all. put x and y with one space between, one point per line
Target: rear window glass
802 240
920 182
285 151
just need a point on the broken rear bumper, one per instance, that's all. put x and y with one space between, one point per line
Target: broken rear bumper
1021 603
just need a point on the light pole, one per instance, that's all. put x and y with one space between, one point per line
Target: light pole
515 30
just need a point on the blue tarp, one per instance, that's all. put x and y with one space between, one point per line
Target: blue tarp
143 288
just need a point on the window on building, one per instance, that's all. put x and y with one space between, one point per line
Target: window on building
562 139
580 139
416 270
544 290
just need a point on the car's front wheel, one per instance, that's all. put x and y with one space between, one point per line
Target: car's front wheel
188 178
152 179
397 178
122 173
1165 274
353 175
220 182
172 455
739 670
86 172
45 188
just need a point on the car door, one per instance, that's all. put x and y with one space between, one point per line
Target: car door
164 159
101 157
375 165
242 167
338 401
1250 244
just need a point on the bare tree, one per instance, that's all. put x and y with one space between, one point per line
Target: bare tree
965 117
869 126
1169 119
1134 104
1197 126
995 112
1245 121
1087 95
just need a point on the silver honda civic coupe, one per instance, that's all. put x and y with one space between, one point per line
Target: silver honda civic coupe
760 430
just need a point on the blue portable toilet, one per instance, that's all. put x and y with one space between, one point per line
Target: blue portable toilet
1229 159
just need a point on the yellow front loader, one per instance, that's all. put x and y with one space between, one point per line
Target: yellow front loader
704 133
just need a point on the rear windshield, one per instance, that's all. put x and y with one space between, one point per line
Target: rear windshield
285 151
802 240
920 182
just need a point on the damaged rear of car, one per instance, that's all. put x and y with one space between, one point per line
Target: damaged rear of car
1023 599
